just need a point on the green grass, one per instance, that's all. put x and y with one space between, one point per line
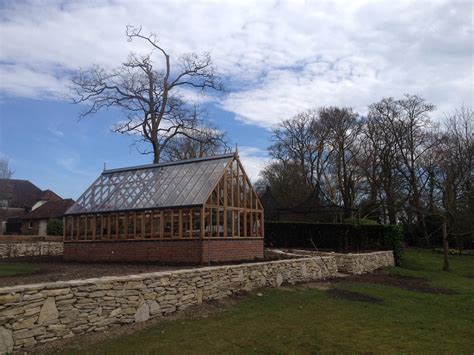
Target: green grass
302 320
17 269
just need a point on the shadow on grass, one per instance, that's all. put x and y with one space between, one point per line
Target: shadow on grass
353 296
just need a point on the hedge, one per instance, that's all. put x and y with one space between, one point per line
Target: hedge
337 237
54 227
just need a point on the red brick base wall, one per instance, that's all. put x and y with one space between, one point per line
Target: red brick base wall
167 251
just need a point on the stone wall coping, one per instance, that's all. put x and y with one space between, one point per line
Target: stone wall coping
332 253
144 276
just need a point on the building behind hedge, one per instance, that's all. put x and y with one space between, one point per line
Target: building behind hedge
196 210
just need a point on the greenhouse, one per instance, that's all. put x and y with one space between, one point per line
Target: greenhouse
196 210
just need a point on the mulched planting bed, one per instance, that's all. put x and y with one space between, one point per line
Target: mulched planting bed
353 296
409 283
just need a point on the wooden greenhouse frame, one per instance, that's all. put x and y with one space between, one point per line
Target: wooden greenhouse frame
231 210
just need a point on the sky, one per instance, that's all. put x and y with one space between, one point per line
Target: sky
276 58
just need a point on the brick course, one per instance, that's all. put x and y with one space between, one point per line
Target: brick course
169 251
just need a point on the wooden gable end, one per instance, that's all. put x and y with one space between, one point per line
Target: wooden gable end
233 209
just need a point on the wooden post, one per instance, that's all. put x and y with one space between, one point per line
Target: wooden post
109 226
238 187
232 186
202 223
101 227
162 224
225 206
210 222
191 211
232 227
93 226
134 225
180 224
125 225
244 187
116 226
172 223
251 225
85 227
152 225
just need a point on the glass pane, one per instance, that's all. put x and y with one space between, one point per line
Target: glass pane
153 186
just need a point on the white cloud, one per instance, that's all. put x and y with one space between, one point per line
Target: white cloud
56 132
71 164
279 57
253 160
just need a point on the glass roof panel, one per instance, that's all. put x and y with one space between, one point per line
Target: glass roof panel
175 184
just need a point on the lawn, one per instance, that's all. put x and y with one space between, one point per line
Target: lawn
300 319
17 269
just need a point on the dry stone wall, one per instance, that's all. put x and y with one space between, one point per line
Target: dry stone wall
34 314
18 249
357 263
361 263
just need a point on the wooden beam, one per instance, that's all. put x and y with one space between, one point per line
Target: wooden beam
180 224
143 225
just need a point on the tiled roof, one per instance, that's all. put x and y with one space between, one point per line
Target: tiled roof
51 209
19 193
23 193
49 195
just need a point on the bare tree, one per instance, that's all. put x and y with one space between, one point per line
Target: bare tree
302 140
287 181
380 140
344 128
205 140
5 171
455 159
149 95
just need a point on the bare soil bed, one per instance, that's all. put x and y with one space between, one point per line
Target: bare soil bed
55 269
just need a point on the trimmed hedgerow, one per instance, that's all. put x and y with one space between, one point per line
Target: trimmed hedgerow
338 237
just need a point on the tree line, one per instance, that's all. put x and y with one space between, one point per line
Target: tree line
394 165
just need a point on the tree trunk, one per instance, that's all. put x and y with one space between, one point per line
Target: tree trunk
445 248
